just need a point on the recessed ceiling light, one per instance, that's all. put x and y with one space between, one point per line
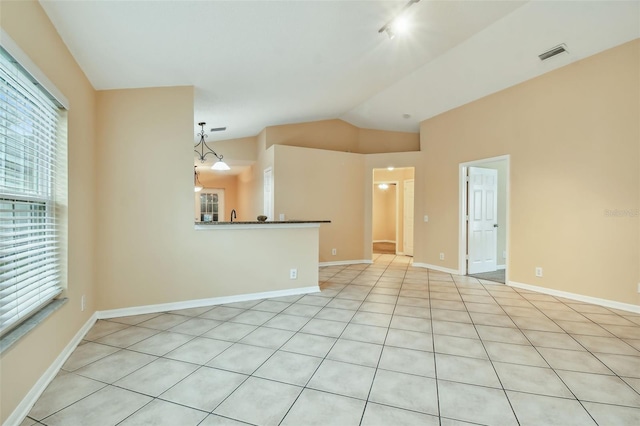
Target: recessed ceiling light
390 168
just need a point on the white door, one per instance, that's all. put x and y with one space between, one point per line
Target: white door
268 194
482 211
407 233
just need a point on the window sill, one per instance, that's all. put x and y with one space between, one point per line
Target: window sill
12 337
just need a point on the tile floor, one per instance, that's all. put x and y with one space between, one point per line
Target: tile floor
382 344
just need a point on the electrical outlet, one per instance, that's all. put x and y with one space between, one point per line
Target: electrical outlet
293 274
426 218
441 256
638 287
82 303
334 252
281 217
538 271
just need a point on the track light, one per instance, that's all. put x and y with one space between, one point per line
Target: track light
390 33
399 23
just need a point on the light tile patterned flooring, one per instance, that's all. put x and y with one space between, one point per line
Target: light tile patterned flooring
382 344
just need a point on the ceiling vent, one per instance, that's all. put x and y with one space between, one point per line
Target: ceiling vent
562 48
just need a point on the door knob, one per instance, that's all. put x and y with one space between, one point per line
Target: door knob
495 225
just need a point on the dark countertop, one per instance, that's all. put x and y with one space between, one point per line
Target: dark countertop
268 222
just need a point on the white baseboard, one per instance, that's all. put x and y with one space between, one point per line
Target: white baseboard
345 262
436 268
501 267
384 241
32 396
197 303
578 297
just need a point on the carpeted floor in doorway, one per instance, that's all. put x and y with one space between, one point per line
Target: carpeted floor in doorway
497 276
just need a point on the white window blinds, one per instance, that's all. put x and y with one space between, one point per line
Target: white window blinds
29 243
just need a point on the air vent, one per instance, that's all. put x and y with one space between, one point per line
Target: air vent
553 52
218 129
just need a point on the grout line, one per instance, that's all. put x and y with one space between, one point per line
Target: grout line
364 275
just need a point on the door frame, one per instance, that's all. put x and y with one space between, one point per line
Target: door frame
413 215
462 209
397 203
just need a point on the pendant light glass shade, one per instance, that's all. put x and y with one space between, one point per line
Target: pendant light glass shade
220 166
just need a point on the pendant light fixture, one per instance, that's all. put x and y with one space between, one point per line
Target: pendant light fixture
202 155
197 186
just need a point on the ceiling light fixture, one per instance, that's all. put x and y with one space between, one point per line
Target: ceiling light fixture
383 186
390 168
202 155
197 186
399 23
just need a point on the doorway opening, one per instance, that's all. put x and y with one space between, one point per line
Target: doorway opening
484 218
393 211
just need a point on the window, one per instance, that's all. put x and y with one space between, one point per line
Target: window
210 205
31 245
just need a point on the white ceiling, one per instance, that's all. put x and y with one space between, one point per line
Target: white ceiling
261 63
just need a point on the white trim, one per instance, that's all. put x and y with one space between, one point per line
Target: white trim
257 225
39 387
462 208
501 267
384 241
345 262
435 268
25 62
579 297
197 303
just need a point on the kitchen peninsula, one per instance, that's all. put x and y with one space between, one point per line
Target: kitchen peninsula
261 224
262 259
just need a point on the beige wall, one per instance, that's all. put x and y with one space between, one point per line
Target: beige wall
245 196
338 135
239 151
24 363
378 141
313 184
573 137
148 250
384 213
334 135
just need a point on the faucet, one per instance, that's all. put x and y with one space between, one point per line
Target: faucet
233 214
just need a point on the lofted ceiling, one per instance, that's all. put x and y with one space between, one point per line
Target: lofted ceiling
259 63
